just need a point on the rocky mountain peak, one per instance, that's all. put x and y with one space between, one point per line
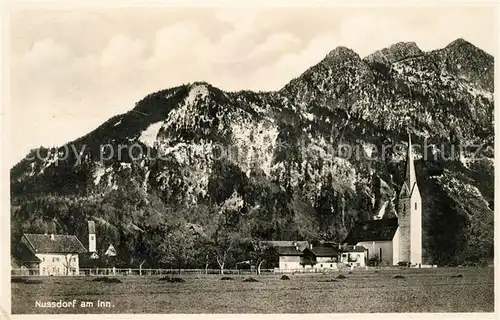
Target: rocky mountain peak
468 62
342 52
461 44
394 53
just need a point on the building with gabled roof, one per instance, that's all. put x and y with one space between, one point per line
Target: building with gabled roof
289 252
353 255
24 262
57 254
394 241
321 257
300 245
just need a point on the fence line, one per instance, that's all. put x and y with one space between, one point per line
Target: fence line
187 272
158 271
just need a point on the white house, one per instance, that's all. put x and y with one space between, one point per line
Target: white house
289 253
320 257
57 254
353 255
394 241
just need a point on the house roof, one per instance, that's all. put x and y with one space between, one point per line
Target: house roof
373 230
353 248
301 244
23 254
326 251
288 251
62 243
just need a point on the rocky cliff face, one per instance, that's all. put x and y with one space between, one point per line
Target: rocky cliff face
305 161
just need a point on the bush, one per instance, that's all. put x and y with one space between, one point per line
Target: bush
285 277
29 281
25 280
172 280
341 276
107 280
18 280
226 278
372 262
250 280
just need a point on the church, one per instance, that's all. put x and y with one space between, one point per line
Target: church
394 241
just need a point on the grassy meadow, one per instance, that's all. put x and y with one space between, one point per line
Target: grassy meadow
362 291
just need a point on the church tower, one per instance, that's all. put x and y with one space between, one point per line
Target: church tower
92 239
410 215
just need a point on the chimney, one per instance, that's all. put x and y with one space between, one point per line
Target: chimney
51 236
310 246
296 246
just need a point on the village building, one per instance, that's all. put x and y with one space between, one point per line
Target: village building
24 262
320 257
297 256
49 254
289 252
395 241
353 255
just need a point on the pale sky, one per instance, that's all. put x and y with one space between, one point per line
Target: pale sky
72 70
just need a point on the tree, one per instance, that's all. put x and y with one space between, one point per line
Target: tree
67 262
177 248
204 252
224 241
262 253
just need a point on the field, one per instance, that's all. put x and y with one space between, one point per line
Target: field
367 291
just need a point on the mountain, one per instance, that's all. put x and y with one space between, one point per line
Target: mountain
304 162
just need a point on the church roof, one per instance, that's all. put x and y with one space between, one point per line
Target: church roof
91 227
410 181
61 243
372 230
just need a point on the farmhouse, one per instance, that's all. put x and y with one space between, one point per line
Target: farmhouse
24 261
52 254
321 257
394 241
302 255
290 253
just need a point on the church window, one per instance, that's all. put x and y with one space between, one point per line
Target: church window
380 255
415 206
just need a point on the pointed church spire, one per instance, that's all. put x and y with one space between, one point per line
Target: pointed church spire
410 177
